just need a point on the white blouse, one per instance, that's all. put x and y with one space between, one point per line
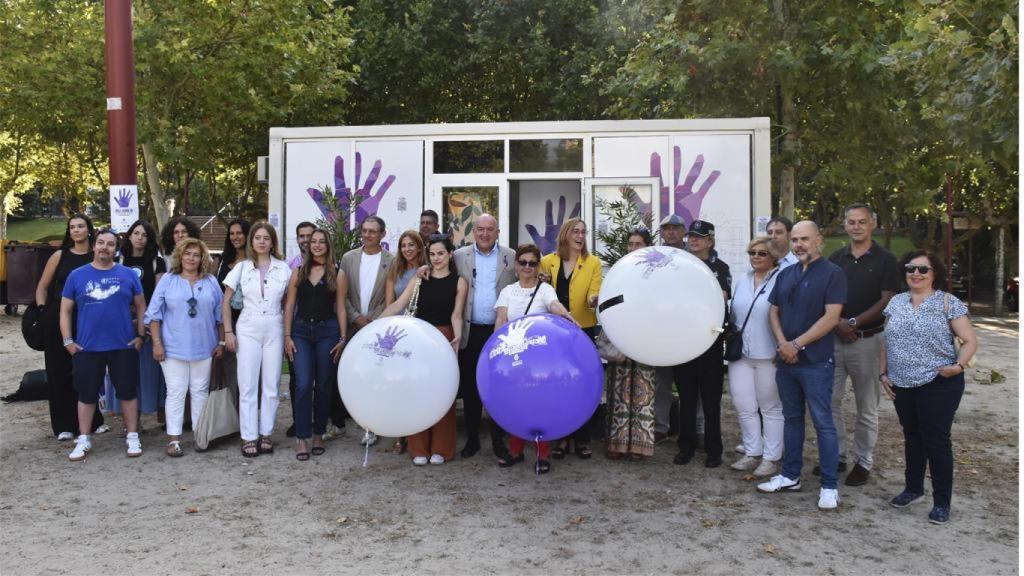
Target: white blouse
758 340
265 299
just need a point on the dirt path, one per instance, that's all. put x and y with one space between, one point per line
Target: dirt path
275 515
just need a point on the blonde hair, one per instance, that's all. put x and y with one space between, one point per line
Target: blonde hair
398 265
563 239
330 265
186 244
769 247
275 250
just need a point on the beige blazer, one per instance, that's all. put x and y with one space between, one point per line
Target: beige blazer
465 262
353 303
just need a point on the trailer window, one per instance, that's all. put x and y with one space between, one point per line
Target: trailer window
469 157
549 155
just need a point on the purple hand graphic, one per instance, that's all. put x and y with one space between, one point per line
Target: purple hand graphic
687 202
390 338
548 242
123 198
368 202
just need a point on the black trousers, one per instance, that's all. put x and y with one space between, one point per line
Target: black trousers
61 394
471 404
700 380
926 414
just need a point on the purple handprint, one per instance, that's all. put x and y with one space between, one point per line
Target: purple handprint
368 201
123 198
548 242
687 202
390 338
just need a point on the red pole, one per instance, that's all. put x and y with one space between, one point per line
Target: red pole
120 60
949 234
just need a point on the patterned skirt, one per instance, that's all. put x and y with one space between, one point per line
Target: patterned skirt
631 402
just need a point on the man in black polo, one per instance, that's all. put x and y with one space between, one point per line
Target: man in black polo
872 277
700 379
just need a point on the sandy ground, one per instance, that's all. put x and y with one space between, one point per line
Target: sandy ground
274 515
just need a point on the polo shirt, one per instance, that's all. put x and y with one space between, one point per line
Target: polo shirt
801 297
866 278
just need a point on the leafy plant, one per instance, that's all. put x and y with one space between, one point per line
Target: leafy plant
337 219
625 215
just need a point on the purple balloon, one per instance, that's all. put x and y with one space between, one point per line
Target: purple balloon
540 375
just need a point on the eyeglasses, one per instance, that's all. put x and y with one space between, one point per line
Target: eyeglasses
910 269
758 253
528 263
192 302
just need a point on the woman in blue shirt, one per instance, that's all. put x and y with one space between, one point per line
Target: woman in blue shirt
185 324
923 374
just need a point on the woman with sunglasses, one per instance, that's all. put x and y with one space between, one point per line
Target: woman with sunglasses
185 325
752 378
527 296
923 374
439 301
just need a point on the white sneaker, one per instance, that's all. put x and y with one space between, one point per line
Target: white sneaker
82 448
744 464
779 484
65 436
436 459
828 499
334 432
419 461
369 439
739 449
765 468
134 445
102 429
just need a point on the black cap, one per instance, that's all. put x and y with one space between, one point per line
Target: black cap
701 228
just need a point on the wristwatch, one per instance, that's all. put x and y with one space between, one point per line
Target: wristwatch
222 343
882 375
852 322
68 341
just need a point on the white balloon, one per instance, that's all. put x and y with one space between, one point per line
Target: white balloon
398 376
661 306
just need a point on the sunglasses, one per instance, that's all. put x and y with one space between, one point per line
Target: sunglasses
910 269
528 263
758 253
192 302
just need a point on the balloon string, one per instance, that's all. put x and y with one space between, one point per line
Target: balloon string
366 455
536 464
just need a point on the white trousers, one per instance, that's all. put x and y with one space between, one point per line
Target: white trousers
184 377
756 398
260 341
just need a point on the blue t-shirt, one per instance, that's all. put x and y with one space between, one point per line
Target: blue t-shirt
103 301
801 297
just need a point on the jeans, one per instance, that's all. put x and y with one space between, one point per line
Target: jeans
315 374
926 414
810 383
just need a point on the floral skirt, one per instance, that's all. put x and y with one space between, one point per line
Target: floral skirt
631 402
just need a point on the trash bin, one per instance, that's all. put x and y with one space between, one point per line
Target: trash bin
21 265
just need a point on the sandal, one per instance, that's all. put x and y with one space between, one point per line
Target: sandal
508 460
318 450
542 467
558 452
174 449
249 449
301 455
584 452
266 446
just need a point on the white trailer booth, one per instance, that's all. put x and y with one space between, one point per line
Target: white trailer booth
530 175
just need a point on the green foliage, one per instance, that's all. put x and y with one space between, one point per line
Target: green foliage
337 223
624 216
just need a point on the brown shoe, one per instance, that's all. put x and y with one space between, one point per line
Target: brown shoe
858 476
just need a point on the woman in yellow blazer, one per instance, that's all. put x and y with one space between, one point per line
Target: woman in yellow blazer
575 274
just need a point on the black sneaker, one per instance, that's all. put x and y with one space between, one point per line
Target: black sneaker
712 462
905 498
840 468
939 515
682 459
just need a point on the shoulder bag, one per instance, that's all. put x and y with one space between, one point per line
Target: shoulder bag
734 339
220 413
958 342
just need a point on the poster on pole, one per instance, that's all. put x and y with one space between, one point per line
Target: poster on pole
124 206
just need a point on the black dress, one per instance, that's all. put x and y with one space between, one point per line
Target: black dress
437 300
61 393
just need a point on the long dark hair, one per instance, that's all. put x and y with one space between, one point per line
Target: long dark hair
447 243
230 254
151 247
330 265
68 242
167 234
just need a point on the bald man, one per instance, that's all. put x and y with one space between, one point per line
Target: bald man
805 306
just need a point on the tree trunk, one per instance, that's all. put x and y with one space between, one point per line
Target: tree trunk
155 188
786 110
997 305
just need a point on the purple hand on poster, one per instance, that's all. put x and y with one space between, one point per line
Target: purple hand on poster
548 241
687 202
369 200
123 198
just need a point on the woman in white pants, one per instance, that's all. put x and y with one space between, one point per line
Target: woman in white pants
752 377
259 342
184 317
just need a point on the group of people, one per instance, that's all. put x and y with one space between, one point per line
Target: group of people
156 325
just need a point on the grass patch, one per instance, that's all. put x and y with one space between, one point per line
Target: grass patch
38 230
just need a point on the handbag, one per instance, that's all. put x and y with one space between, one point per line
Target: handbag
958 342
607 350
32 327
734 337
220 413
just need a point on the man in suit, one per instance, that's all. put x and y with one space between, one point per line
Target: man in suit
487 269
366 269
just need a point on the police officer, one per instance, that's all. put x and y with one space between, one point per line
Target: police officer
700 379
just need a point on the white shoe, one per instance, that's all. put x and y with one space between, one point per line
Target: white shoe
828 499
335 432
65 436
436 459
82 448
739 449
765 468
369 439
779 484
134 445
744 464
419 461
103 429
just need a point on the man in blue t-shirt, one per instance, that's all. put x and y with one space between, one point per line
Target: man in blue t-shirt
107 339
805 306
